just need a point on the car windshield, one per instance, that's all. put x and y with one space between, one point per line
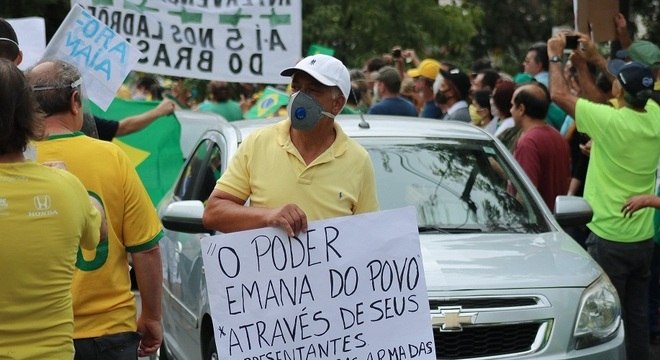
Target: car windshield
455 185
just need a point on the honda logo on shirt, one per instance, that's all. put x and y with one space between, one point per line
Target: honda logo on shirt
42 202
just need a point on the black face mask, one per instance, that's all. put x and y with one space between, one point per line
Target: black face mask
441 97
304 111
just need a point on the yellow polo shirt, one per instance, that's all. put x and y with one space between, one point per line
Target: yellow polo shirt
270 171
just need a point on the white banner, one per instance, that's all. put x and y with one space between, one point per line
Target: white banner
31 34
349 288
239 41
103 57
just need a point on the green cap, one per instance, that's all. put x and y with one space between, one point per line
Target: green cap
644 52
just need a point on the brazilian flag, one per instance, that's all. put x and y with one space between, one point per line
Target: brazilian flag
155 150
270 101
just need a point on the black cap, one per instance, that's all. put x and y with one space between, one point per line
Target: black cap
7 32
8 41
460 80
633 76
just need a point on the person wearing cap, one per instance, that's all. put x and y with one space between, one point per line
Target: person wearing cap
388 84
104 307
623 162
9 48
642 51
425 74
294 171
647 53
453 91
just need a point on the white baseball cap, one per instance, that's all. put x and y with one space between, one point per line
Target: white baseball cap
325 69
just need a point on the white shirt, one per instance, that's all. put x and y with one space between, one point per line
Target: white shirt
504 124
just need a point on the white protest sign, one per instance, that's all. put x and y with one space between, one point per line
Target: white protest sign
103 57
239 41
349 288
31 34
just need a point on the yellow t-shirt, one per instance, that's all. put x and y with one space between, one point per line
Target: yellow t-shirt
269 170
102 299
45 214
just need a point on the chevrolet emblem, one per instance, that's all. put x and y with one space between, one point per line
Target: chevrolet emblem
451 319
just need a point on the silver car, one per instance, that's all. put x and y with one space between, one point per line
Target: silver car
504 280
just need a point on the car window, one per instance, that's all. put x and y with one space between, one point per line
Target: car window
201 172
455 185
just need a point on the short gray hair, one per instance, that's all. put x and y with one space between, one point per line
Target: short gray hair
53 89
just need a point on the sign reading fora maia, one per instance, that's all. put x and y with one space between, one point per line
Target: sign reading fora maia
348 288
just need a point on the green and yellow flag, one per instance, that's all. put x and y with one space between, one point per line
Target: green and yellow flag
155 150
270 101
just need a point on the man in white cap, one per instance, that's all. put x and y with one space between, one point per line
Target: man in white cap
295 171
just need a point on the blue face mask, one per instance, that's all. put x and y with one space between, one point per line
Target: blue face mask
304 111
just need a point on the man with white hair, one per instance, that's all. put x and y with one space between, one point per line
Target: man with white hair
312 147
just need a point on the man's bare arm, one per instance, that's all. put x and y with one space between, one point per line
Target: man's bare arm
225 212
135 123
149 275
559 90
588 88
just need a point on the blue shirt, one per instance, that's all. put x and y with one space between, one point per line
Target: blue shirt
395 105
431 110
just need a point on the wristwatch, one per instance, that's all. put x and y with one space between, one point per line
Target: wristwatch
556 59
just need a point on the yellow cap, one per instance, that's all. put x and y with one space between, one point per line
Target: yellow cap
427 68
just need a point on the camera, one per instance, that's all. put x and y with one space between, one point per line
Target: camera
396 53
572 42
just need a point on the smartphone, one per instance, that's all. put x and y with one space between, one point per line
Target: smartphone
572 42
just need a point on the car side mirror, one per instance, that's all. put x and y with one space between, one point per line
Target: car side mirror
185 216
572 211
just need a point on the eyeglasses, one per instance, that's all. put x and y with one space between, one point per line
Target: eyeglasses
73 85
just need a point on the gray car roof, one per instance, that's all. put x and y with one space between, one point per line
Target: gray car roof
386 126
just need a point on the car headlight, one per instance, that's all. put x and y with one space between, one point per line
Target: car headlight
599 316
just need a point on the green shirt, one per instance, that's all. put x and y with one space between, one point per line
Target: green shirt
623 162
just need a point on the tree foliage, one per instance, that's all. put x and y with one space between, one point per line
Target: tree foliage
511 26
470 29
359 30
649 12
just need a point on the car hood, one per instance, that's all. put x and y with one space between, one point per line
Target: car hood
506 261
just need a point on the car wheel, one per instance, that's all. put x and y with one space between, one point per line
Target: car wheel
211 350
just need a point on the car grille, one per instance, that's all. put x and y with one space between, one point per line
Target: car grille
488 339
480 341
487 303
